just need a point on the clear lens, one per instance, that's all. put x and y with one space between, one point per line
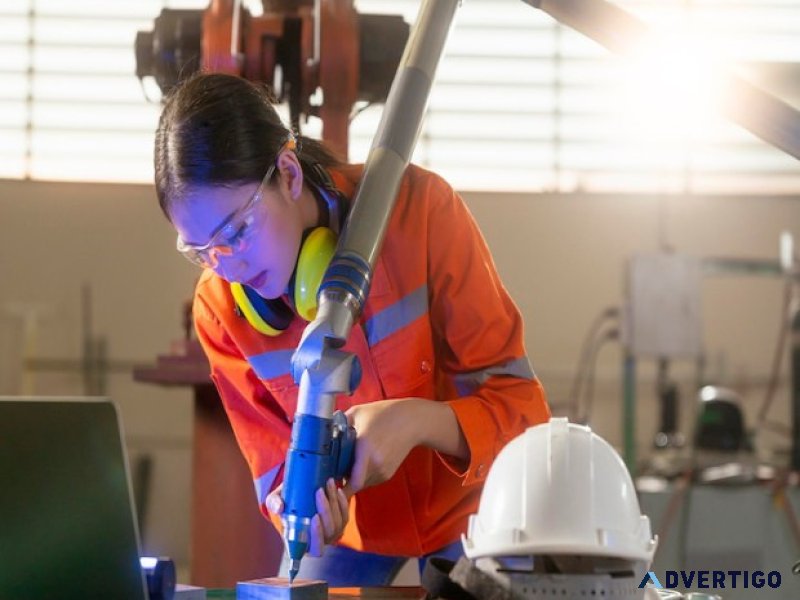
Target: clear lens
231 240
232 236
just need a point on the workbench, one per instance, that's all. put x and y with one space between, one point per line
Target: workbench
371 593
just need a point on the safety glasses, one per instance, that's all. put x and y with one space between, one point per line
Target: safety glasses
231 236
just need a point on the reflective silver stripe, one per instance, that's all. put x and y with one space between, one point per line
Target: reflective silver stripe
272 364
400 314
264 484
467 383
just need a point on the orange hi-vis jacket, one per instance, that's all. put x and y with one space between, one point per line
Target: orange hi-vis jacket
438 324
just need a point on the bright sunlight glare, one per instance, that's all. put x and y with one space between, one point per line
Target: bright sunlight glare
671 91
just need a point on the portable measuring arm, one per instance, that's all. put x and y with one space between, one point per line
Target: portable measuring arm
320 368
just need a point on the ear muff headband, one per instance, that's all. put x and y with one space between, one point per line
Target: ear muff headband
315 256
268 317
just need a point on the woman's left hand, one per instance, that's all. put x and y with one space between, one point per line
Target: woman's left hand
328 524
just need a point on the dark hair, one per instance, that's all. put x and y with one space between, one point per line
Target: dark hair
218 129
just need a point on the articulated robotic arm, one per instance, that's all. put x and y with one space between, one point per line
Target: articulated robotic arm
319 367
296 46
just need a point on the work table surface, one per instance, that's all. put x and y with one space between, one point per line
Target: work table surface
369 593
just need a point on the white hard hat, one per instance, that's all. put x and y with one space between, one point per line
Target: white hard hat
559 489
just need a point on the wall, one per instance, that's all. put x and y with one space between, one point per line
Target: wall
562 258
57 238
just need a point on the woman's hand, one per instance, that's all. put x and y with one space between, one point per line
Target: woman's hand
328 524
387 430
384 436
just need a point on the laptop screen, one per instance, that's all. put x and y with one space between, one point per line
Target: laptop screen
67 525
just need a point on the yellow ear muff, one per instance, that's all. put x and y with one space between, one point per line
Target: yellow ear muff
251 312
315 256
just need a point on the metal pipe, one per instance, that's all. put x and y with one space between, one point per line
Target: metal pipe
629 412
346 283
398 130
796 390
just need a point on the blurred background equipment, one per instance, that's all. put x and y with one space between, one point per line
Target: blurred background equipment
603 329
720 422
321 57
159 575
722 451
663 321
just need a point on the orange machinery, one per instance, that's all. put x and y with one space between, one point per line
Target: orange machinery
320 56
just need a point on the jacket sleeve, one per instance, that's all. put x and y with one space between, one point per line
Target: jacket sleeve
261 427
478 332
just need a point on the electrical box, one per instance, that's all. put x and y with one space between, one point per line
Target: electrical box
663 313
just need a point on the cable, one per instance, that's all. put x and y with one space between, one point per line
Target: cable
779 428
780 494
145 94
611 312
358 111
609 334
780 348
677 499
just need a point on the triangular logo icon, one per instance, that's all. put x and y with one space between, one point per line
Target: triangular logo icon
650 576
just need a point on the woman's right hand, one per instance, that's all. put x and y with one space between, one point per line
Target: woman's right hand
332 515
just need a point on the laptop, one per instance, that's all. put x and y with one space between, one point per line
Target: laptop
67 523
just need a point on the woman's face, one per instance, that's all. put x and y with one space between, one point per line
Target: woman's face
255 230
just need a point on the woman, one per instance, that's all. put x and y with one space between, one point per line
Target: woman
446 382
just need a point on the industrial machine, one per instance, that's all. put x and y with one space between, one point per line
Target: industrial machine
316 48
720 422
320 57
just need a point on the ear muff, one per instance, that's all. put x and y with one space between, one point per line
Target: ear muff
315 256
270 317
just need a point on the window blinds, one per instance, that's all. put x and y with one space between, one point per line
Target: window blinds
520 102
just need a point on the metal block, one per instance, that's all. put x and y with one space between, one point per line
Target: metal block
189 592
279 588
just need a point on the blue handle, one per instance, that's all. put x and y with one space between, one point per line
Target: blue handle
319 449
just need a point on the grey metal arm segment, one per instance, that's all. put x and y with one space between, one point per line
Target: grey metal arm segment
345 286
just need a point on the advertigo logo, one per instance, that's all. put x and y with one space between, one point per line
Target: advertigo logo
714 580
